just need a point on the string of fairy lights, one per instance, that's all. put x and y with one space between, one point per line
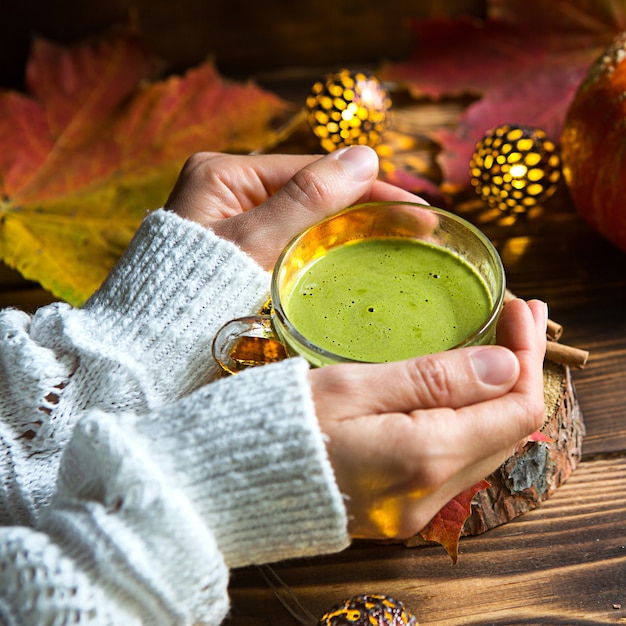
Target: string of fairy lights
514 167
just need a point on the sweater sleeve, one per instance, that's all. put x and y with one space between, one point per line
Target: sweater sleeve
151 510
143 340
159 309
164 476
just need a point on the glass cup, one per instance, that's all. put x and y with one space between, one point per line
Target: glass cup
272 335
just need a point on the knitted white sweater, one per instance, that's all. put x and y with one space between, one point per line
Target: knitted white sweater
129 481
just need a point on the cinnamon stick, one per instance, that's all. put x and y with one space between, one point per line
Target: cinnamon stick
554 330
566 355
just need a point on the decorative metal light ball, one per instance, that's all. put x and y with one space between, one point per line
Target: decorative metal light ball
365 610
514 168
348 108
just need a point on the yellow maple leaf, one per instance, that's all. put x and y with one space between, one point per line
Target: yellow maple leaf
96 141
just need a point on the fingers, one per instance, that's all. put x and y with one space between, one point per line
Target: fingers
522 328
331 184
506 420
490 430
287 192
323 187
214 186
517 312
399 466
451 379
385 192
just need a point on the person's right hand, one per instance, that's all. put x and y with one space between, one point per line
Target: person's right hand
404 438
260 202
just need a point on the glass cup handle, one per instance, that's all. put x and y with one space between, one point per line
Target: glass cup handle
247 342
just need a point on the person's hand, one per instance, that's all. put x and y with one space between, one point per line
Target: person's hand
404 438
261 202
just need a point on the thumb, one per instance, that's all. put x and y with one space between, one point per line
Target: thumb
322 188
454 379
339 178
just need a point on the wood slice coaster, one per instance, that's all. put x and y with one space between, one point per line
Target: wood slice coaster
538 469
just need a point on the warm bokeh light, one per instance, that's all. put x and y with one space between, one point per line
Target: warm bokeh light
362 610
515 168
348 108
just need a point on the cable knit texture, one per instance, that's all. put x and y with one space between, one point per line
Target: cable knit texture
130 478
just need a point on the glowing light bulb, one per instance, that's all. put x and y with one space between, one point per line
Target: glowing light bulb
348 108
515 168
365 610
518 171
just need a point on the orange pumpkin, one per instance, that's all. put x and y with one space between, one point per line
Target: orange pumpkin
593 144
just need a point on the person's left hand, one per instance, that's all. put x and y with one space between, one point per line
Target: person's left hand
261 202
405 437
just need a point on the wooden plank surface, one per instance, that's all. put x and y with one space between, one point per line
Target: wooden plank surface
583 279
563 563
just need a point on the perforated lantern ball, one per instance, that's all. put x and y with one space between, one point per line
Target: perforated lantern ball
365 610
348 108
514 168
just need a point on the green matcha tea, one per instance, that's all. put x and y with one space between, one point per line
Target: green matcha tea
386 299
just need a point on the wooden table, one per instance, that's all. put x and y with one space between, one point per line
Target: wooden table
564 562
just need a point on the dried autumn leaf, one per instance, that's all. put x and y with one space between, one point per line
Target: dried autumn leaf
598 16
521 66
96 141
538 436
445 528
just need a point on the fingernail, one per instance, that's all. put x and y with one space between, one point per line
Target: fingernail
494 365
360 162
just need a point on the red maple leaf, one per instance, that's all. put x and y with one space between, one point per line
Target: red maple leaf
523 64
538 436
96 140
445 528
